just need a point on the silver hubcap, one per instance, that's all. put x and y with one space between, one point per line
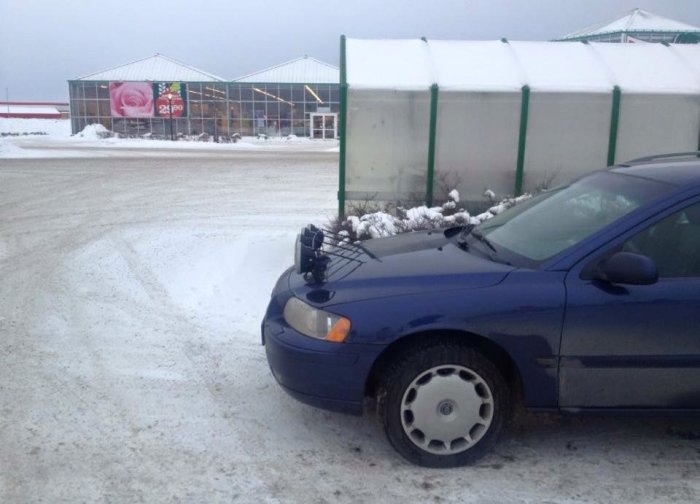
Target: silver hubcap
446 409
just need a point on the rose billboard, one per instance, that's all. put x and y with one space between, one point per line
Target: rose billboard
131 99
178 100
145 99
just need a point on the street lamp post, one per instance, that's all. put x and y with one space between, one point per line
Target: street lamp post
170 111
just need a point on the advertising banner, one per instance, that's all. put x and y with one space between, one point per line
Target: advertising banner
131 99
167 94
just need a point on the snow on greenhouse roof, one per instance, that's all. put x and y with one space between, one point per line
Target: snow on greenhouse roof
649 68
393 64
637 20
302 70
153 68
688 54
507 66
481 63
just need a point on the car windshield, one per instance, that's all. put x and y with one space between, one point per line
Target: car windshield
554 221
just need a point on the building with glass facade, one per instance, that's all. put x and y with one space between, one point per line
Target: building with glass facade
160 97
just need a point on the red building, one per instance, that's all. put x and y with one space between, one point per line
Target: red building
34 110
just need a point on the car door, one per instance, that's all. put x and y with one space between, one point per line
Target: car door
636 346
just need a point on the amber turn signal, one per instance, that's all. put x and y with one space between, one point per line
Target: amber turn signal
339 331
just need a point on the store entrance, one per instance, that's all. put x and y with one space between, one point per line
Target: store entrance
324 126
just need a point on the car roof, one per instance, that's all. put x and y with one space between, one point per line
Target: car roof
679 172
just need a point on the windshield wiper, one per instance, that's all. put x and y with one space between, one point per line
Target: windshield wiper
462 241
469 230
484 240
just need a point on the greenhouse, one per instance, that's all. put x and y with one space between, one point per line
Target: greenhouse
638 26
161 97
422 117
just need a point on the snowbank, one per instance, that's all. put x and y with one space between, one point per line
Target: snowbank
9 150
94 132
59 128
40 138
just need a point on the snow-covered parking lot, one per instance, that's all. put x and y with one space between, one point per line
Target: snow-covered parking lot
131 368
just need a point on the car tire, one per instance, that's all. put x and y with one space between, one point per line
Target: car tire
443 404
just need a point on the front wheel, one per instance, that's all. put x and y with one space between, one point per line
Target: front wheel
445 405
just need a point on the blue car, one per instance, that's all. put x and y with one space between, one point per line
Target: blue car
584 298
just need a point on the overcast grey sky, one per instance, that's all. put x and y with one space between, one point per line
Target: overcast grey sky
43 43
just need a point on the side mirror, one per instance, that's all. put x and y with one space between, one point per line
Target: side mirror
628 268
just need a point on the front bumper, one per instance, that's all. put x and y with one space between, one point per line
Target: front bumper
326 375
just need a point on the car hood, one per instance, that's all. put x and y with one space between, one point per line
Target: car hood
406 264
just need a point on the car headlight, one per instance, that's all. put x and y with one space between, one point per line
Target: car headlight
316 323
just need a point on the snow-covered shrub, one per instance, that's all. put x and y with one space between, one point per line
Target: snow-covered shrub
369 220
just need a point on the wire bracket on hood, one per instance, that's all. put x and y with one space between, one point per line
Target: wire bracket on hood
321 254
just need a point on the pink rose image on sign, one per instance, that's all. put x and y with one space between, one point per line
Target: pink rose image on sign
131 99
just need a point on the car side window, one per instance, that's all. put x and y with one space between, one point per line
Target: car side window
672 243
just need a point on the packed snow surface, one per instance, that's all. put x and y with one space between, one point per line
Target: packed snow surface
131 368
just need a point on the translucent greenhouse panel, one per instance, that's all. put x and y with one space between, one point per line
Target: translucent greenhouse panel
657 124
567 136
387 145
476 144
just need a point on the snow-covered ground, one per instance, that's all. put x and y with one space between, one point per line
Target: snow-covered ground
131 368
21 141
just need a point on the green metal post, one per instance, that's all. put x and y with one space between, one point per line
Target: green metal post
342 128
431 144
614 124
524 110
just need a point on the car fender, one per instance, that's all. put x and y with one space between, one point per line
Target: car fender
522 315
